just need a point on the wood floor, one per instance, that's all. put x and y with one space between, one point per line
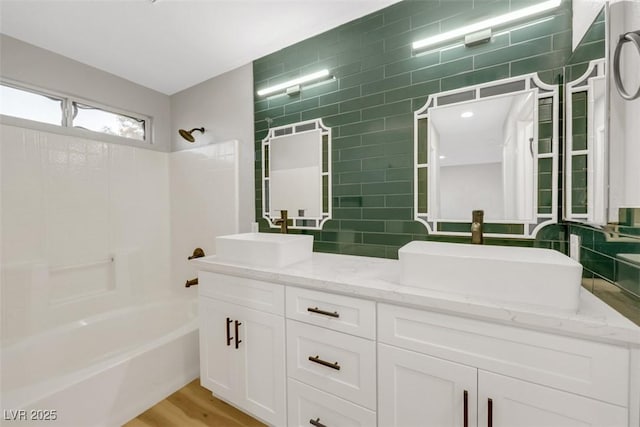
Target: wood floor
193 406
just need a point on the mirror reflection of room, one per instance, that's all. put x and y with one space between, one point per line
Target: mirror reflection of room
295 174
482 146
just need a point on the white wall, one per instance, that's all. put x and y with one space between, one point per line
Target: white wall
69 200
25 63
69 206
584 12
224 107
470 187
624 126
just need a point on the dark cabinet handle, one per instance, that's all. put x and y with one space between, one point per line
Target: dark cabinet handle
229 332
316 359
326 313
237 340
490 413
466 409
316 422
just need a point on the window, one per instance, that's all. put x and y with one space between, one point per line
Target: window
69 112
30 105
99 120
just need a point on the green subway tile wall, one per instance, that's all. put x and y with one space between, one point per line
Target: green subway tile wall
378 84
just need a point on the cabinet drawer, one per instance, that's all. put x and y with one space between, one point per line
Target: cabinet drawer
338 363
583 367
307 404
256 294
351 315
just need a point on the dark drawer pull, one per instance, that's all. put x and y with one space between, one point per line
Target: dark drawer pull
316 422
326 313
317 359
238 340
466 409
490 412
229 339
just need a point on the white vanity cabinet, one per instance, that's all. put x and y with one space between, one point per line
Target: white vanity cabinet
242 344
319 350
332 374
419 390
439 367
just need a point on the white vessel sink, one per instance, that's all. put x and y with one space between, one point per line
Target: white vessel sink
264 249
531 276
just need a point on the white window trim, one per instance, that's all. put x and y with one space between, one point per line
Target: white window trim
66 127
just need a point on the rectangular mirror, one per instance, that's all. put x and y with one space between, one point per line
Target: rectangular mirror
483 152
296 174
296 168
490 147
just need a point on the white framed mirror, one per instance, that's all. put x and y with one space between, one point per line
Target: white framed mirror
585 176
492 147
296 174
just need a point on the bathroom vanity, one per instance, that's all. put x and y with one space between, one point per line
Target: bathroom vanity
338 340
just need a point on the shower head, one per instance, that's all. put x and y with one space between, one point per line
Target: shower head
188 134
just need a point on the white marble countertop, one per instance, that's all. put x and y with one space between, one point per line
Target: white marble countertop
378 279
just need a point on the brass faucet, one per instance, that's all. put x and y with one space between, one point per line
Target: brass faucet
283 222
476 227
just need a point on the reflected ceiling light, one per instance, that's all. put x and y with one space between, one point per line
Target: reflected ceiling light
294 82
466 114
442 157
487 23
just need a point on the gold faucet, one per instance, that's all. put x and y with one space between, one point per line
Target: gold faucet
283 222
476 227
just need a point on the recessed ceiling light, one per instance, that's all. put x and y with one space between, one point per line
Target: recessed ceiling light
466 114
443 157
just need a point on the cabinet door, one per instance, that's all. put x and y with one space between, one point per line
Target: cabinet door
218 357
419 390
261 354
516 403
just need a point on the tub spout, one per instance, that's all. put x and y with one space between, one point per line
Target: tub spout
191 282
476 227
197 253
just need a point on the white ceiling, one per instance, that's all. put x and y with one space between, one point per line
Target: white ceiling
171 45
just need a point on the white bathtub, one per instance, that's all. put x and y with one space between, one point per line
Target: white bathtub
101 371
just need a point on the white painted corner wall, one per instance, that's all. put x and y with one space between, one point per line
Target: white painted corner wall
153 204
584 12
28 64
222 105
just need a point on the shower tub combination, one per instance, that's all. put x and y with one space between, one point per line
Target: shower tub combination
103 370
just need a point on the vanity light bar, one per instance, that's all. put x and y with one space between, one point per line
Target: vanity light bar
294 82
488 23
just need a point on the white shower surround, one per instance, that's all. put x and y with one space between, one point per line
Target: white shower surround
91 232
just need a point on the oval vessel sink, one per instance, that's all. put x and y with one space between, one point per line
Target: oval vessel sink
531 276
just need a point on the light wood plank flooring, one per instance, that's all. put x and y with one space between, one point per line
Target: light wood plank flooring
193 406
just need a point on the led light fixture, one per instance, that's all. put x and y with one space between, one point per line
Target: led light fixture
294 82
487 23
